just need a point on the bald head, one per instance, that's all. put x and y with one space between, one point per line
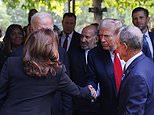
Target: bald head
41 20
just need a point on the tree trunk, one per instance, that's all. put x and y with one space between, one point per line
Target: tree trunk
97 15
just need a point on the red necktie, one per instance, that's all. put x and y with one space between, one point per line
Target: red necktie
117 70
65 42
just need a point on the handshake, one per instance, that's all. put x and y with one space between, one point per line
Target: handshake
93 92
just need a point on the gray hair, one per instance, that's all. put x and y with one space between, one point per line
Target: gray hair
42 16
132 36
115 24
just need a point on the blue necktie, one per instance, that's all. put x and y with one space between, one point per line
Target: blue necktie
146 49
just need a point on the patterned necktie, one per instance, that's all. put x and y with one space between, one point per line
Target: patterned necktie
146 49
117 70
65 42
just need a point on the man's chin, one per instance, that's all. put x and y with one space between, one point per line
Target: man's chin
83 47
106 48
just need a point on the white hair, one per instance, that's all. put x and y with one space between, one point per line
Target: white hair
42 16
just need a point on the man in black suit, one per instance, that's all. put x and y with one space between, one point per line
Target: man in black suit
140 18
78 62
100 67
136 95
69 38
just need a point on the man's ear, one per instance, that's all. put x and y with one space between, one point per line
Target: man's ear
124 46
148 18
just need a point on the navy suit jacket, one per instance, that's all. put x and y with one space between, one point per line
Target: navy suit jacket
151 35
75 42
136 96
100 69
78 67
78 75
62 102
21 94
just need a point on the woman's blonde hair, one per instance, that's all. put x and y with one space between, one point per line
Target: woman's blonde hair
40 54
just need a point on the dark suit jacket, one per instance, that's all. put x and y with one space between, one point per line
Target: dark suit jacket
21 94
75 42
151 35
62 102
136 96
100 69
78 75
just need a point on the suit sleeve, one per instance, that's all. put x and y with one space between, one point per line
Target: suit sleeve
137 92
4 82
91 72
66 104
66 85
66 99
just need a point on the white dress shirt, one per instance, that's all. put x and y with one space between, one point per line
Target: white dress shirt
132 59
69 39
149 42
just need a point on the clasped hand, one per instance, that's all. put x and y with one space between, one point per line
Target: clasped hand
93 91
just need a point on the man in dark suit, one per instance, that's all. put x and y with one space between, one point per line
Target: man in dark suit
136 95
69 38
101 66
140 18
78 62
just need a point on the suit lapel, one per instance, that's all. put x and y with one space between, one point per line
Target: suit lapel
73 42
109 68
152 40
83 59
131 66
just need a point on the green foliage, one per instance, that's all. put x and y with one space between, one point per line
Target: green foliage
116 9
4 17
123 5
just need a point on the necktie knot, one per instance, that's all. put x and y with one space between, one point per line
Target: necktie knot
144 36
115 52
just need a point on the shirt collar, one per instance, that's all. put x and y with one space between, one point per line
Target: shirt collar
70 35
147 34
132 59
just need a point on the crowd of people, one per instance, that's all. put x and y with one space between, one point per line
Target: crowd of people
107 69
